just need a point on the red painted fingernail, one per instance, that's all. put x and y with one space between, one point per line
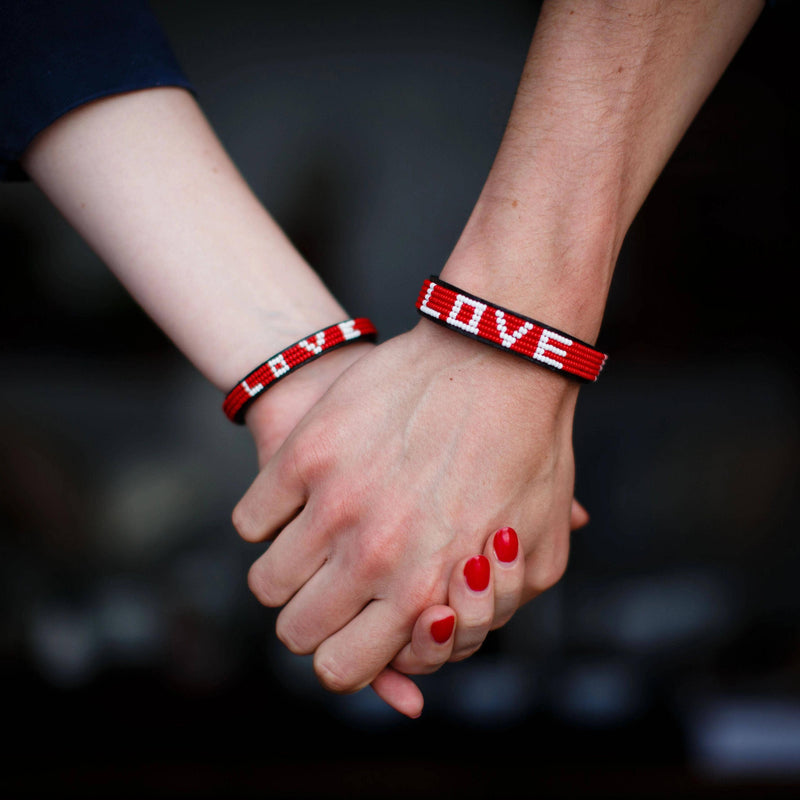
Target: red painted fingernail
506 544
442 629
477 572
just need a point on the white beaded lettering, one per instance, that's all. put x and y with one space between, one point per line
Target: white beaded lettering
544 345
477 313
252 391
278 365
424 307
314 347
503 331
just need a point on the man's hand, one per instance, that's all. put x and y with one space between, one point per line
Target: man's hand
470 614
425 445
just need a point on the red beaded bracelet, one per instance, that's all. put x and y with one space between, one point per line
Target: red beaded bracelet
288 360
501 328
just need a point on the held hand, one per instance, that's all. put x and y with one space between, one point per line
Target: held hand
454 632
271 418
397 473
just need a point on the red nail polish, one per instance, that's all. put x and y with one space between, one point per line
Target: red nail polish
506 544
477 571
442 629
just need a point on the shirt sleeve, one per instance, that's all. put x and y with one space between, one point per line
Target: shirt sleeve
57 55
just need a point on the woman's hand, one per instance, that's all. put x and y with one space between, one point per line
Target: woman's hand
483 593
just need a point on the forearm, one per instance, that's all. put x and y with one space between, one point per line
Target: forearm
144 180
607 92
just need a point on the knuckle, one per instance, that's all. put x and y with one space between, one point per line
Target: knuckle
482 620
333 676
474 626
335 510
464 652
245 523
378 554
293 637
420 594
311 454
429 664
507 603
427 590
265 590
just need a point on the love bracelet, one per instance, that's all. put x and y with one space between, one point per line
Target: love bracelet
290 359
467 314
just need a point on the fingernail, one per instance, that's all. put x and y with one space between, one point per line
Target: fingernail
442 629
506 544
477 572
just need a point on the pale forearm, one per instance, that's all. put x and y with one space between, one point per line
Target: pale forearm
144 180
607 92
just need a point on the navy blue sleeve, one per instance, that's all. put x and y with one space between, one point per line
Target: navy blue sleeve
57 55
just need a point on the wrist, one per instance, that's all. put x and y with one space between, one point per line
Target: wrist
443 353
537 262
263 330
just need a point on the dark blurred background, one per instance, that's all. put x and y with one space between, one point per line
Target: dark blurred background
666 662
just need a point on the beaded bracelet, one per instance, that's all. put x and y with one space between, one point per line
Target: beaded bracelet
463 312
288 360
